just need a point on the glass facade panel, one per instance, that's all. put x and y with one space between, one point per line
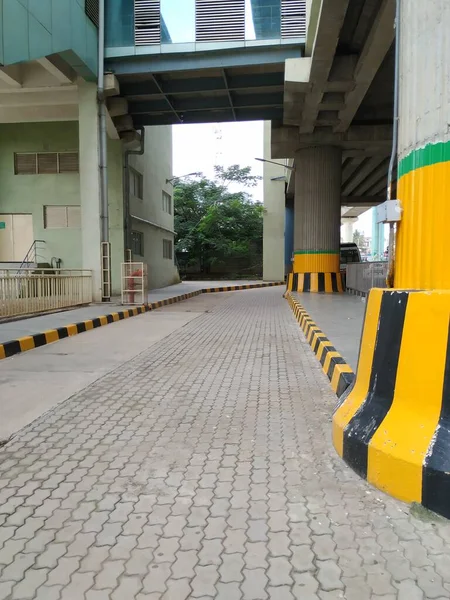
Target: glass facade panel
119 26
177 21
262 19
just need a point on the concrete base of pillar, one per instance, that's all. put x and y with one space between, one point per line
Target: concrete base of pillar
391 427
326 283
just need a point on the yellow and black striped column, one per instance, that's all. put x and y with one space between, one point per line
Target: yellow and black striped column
393 425
316 265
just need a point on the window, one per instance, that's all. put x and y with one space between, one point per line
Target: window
167 202
137 243
136 184
62 217
167 249
46 163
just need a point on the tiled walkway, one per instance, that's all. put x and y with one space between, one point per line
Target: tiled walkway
203 469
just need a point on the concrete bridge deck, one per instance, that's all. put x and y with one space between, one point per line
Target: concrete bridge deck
199 466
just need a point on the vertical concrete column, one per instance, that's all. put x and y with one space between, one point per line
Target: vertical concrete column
347 229
317 219
90 183
274 209
424 146
392 426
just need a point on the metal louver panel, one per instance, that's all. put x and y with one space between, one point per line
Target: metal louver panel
219 20
47 163
69 162
293 18
147 22
91 9
25 163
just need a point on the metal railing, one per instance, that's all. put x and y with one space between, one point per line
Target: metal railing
41 290
361 277
33 255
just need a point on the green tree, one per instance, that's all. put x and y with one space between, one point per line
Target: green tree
358 238
214 224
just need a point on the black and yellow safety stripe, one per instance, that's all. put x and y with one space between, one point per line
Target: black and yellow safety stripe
37 340
246 286
393 425
333 364
326 283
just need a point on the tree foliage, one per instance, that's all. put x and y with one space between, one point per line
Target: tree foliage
214 224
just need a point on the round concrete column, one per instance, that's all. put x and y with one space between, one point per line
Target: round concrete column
424 146
317 220
392 425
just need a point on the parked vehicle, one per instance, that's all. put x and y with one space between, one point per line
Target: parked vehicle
349 254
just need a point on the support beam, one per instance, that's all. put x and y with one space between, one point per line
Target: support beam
366 169
58 68
377 45
12 76
111 130
361 200
330 22
117 106
379 174
374 140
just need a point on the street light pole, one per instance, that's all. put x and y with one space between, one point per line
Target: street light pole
182 177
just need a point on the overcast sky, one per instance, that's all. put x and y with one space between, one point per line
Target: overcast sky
200 147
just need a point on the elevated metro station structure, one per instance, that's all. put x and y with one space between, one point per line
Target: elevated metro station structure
324 74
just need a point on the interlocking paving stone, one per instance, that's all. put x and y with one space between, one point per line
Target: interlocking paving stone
203 468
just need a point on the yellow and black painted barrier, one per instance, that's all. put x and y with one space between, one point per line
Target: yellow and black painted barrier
326 283
245 286
392 426
30 342
333 364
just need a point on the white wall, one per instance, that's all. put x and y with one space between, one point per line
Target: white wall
156 167
274 215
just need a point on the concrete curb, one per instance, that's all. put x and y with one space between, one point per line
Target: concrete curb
333 364
37 340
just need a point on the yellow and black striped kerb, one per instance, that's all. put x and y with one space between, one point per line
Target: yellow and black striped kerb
333 364
30 342
37 340
246 286
325 283
392 426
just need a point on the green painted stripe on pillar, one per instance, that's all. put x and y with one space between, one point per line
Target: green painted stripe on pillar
316 252
431 154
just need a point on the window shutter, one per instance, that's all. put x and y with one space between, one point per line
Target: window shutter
69 162
219 20
293 18
74 217
25 164
147 22
47 163
91 9
55 217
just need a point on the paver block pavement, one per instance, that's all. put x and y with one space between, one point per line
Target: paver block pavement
203 468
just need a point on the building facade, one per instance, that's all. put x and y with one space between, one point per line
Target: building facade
49 151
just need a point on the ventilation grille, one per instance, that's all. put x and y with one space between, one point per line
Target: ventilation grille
293 18
147 22
219 20
91 9
46 163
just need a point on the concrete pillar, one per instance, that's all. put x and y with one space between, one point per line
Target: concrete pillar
90 183
347 229
317 219
288 236
392 427
424 146
274 209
